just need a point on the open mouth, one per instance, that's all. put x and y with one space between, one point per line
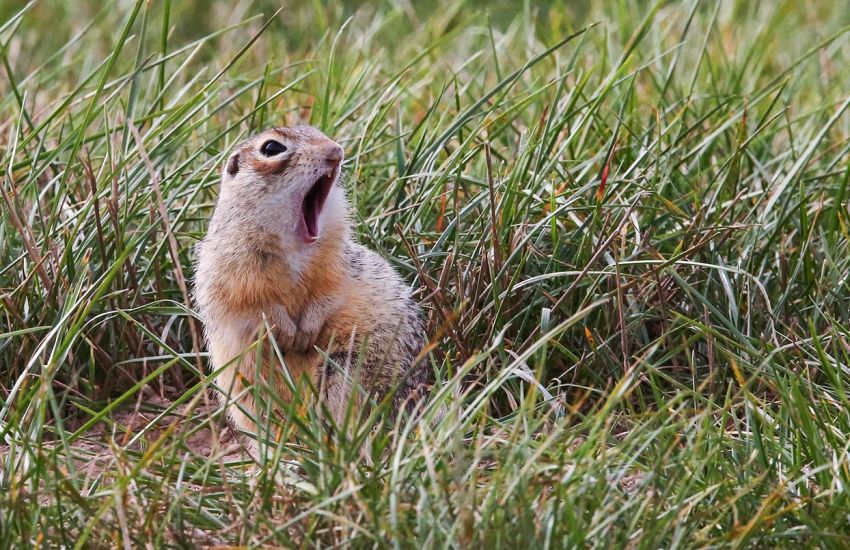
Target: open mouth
313 203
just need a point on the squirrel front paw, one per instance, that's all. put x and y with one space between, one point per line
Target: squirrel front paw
284 329
299 336
310 324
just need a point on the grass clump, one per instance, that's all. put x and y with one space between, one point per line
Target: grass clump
628 225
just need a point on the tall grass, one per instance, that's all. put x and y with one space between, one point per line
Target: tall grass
627 224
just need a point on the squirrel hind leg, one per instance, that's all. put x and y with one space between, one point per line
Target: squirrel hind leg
341 382
336 386
346 385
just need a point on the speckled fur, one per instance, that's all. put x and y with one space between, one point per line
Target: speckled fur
251 264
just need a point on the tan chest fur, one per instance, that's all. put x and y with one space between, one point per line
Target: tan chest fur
252 288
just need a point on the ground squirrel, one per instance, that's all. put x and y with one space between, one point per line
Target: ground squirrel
279 246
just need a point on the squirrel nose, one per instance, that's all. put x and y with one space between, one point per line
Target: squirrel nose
334 152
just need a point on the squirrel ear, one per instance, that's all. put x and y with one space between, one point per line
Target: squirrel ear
233 165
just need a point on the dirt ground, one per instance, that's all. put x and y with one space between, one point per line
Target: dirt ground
194 427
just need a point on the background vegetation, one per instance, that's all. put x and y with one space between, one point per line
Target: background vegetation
627 222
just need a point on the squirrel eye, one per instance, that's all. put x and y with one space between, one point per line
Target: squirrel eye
272 148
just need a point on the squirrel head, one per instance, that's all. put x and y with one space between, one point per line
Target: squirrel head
284 180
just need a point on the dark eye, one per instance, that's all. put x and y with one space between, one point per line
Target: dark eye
272 148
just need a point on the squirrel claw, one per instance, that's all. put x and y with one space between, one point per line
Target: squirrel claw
301 342
305 339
